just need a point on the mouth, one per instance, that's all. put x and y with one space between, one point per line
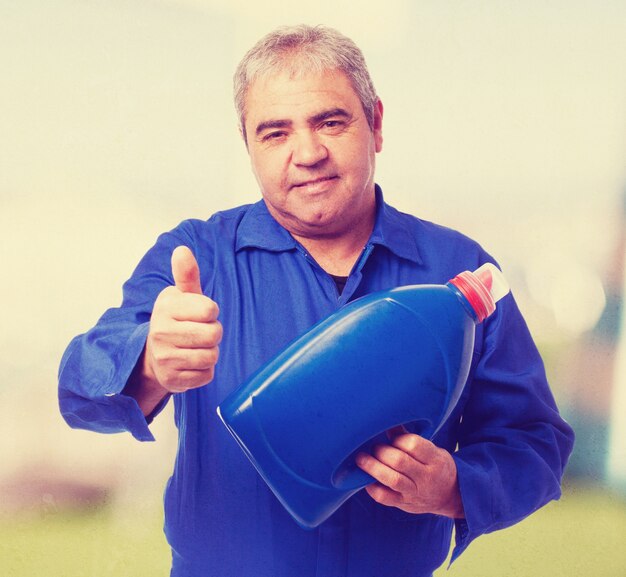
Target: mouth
314 182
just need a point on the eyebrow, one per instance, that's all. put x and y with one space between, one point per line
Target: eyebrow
315 119
271 124
333 112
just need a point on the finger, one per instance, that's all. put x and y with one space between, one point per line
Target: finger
384 495
420 449
398 460
196 308
193 335
190 359
383 473
185 380
185 270
188 306
185 334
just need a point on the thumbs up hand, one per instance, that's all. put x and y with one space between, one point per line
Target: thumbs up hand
183 340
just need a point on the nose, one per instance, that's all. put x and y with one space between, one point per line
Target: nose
308 149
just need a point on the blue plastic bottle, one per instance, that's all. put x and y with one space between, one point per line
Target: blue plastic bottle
391 358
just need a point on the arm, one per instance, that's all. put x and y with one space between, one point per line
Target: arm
105 377
182 346
513 445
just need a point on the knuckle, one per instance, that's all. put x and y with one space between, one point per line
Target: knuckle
395 480
181 381
210 309
160 329
160 356
396 459
219 330
168 381
412 443
215 334
158 334
210 357
165 297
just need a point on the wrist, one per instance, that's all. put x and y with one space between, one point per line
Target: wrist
144 387
453 507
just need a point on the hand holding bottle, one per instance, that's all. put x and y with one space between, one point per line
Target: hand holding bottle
413 475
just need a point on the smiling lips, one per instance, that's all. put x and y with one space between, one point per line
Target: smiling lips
315 182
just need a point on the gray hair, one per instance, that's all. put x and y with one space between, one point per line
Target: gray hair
303 49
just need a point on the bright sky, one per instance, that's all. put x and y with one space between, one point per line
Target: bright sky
503 119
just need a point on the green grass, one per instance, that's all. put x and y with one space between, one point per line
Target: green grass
584 534
86 544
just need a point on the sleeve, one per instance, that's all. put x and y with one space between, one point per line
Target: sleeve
96 365
513 444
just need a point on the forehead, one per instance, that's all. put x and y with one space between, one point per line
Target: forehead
289 96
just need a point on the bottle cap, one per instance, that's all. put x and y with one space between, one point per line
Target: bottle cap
493 280
482 289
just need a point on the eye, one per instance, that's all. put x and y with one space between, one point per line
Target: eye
333 126
274 135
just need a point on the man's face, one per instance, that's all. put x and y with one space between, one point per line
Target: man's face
313 152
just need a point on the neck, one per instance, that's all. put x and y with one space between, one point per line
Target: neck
337 255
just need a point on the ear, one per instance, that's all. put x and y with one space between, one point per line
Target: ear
243 136
378 125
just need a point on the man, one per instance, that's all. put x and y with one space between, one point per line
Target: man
321 236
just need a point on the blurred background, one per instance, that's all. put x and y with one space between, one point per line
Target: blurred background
504 120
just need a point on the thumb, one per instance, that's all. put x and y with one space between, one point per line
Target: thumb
185 271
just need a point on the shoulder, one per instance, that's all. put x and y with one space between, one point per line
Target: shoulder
440 246
209 240
224 224
203 237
